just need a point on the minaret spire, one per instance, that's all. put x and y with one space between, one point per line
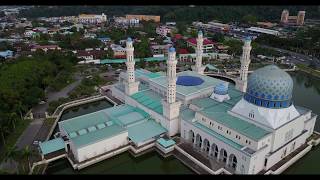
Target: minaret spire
198 66
131 86
245 61
171 106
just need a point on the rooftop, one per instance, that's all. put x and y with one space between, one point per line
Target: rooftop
209 82
145 131
166 143
51 146
219 112
109 122
149 99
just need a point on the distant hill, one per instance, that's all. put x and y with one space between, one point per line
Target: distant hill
178 13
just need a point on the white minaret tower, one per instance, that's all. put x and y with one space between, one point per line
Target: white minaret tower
198 66
245 60
171 107
131 85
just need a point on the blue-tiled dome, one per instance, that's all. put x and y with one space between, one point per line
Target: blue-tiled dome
129 39
200 32
221 89
189 81
172 49
269 87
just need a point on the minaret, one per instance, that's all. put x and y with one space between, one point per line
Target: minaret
198 66
131 85
245 60
171 107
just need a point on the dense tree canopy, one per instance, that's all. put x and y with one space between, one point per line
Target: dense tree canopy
177 13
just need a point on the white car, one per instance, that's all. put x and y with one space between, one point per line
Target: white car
36 142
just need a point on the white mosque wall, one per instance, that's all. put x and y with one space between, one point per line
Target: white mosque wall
285 133
103 146
309 124
286 149
232 135
257 160
272 118
118 94
243 159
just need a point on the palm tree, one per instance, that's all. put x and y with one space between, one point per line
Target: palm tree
12 119
25 155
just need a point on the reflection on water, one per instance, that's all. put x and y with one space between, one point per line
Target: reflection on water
125 163
306 93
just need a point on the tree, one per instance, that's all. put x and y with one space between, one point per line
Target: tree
4 129
249 19
25 155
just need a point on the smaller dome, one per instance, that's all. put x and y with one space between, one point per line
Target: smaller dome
221 89
200 32
129 39
172 49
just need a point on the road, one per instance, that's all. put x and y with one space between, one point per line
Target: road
40 109
32 130
297 58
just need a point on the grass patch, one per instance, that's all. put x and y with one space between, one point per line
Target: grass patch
50 121
14 136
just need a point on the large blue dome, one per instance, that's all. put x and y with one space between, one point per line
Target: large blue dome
269 87
189 81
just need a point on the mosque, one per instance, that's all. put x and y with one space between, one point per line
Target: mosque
248 127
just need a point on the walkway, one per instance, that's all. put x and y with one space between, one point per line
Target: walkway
203 157
27 137
40 109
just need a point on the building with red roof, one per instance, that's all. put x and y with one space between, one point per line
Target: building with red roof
207 44
178 36
183 51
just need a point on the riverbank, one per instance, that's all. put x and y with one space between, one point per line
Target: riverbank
308 70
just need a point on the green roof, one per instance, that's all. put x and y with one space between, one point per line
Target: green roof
211 67
105 124
166 143
219 112
116 61
84 121
147 74
145 131
187 114
149 99
209 82
51 146
97 135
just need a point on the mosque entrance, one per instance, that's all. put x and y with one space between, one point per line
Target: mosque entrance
191 136
233 161
223 155
214 150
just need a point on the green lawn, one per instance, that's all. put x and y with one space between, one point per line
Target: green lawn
13 137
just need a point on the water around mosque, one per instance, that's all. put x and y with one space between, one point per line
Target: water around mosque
306 93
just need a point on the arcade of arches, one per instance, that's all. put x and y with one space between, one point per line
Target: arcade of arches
212 150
